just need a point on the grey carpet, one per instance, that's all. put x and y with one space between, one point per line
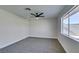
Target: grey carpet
34 45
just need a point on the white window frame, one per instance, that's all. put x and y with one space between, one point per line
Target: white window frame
69 13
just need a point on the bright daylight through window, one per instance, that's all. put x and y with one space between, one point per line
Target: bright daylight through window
70 23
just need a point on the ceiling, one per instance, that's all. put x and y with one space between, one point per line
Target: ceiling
50 11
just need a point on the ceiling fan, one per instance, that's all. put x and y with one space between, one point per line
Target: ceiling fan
35 14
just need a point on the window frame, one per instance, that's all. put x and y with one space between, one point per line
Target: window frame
68 14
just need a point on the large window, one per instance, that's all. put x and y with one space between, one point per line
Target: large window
70 23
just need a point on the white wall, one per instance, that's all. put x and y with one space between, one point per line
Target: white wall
44 28
12 28
68 44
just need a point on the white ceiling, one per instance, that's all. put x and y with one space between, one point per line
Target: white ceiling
50 11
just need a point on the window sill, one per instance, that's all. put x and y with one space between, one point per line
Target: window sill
76 39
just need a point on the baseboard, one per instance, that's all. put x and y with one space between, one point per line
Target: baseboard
62 46
42 37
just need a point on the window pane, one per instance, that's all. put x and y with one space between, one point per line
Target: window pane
74 25
65 26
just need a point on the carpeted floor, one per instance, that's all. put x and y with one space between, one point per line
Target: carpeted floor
34 45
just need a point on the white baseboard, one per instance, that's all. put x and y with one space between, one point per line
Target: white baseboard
44 37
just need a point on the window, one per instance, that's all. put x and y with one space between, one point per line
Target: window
65 26
70 23
74 25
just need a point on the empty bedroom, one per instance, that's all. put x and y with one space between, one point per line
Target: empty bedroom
35 29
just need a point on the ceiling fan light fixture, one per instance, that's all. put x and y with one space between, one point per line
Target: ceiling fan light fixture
37 18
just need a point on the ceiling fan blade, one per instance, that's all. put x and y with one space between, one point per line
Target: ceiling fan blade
41 14
33 14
